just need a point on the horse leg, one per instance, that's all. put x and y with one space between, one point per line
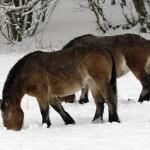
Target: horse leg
84 95
68 99
99 101
145 94
65 116
45 116
111 100
44 108
99 111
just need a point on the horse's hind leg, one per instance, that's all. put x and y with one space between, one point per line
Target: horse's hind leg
44 108
99 101
65 116
84 95
111 100
99 111
145 94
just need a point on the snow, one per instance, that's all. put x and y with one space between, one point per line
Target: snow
132 133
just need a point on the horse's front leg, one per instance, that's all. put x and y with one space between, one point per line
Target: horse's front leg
45 116
65 116
145 94
44 108
84 95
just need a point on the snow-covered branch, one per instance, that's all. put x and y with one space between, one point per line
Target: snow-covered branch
23 19
113 14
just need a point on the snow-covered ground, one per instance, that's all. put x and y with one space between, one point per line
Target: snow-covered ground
132 133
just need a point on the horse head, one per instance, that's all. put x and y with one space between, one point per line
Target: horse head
12 116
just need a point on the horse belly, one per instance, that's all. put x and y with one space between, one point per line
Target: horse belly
66 87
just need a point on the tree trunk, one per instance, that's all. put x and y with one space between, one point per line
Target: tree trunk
15 35
113 2
142 13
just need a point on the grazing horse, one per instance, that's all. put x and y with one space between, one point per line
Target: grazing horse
50 75
130 51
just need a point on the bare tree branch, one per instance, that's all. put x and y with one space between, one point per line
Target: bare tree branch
24 16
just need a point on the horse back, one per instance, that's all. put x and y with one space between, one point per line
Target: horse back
136 51
130 51
64 72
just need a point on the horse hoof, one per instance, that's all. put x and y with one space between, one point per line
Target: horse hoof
48 124
98 120
111 121
140 101
82 101
114 118
143 98
71 121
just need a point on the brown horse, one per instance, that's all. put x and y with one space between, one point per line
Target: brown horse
48 75
131 52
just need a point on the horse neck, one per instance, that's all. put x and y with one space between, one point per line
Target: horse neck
14 95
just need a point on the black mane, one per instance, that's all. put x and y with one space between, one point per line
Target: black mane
12 75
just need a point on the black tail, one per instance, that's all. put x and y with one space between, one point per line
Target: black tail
113 80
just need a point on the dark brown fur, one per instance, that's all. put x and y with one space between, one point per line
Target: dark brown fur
48 76
130 52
